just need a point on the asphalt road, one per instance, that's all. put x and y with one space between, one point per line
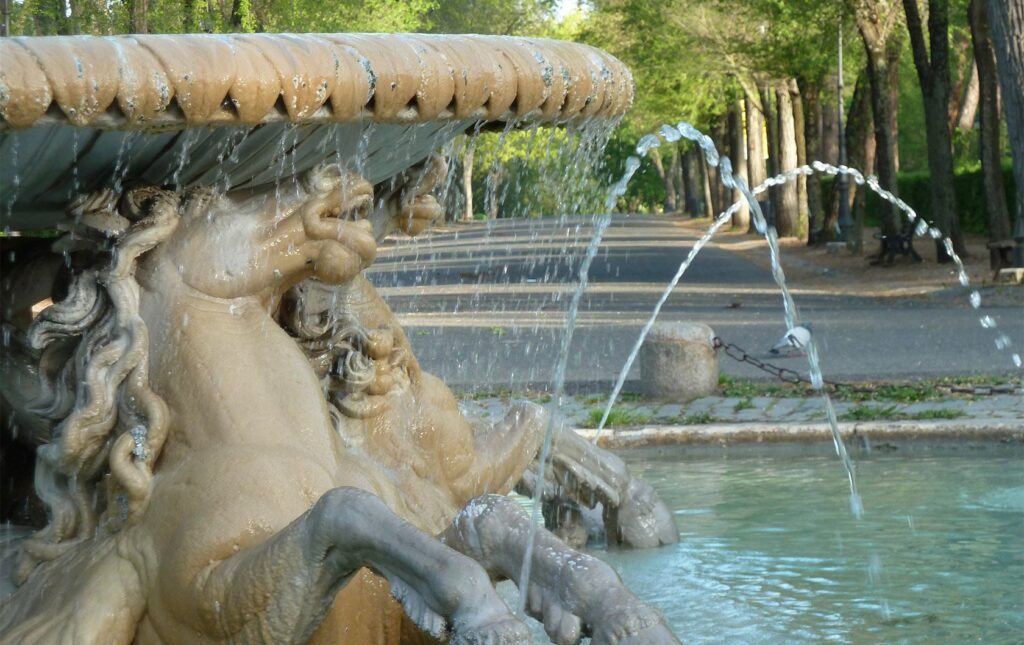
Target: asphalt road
485 307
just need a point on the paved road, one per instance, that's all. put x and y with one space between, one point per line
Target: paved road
485 306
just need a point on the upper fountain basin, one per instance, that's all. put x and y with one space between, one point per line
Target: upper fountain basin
177 81
248 111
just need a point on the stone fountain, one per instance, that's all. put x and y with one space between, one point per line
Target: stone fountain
228 435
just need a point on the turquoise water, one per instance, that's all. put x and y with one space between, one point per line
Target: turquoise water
770 553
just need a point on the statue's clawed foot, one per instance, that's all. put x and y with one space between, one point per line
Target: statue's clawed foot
573 594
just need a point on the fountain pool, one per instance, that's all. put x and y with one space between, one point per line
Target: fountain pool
768 555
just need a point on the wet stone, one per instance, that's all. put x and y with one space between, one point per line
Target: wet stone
784 407
700 406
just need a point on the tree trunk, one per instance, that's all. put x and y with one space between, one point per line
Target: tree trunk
74 14
932 64
138 22
666 180
493 200
829 130
675 171
885 140
799 128
720 135
772 162
467 182
893 50
788 221
860 146
741 218
963 119
1006 20
709 199
812 136
962 73
694 182
991 166
755 147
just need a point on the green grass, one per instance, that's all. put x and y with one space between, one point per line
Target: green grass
631 397
882 392
895 392
869 413
925 415
701 419
892 413
746 389
743 404
617 418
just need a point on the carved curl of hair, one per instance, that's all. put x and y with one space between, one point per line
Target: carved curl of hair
108 425
335 343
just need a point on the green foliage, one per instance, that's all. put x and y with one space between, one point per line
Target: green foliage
914 189
645 191
539 171
342 15
508 17
672 65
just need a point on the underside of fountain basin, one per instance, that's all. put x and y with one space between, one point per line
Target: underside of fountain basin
247 111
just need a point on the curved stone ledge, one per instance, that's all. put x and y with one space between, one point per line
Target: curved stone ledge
146 82
1010 431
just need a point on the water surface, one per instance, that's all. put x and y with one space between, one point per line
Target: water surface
769 550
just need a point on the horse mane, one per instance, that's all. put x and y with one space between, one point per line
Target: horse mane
108 426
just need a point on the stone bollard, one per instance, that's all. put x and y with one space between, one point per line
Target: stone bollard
678 361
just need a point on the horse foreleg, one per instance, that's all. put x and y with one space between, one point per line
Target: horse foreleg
280 590
572 593
581 473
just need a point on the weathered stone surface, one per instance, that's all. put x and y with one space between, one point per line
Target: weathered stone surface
143 81
677 361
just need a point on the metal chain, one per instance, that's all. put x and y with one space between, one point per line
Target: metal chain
787 375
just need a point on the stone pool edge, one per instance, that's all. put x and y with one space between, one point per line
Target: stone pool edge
737 433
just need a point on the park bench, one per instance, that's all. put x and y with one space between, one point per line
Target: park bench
1001 251
901 244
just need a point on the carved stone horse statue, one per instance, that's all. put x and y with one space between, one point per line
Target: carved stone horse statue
235 443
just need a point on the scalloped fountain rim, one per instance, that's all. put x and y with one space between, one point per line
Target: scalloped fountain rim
177 81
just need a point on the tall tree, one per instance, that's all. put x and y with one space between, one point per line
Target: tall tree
771 126
813 151
755 144
1006 19
467 181
878 23
800 131
138 12
991 166
738 145
787 220
694 182
667 180
931 61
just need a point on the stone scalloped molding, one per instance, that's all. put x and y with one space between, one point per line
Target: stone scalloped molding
177 81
